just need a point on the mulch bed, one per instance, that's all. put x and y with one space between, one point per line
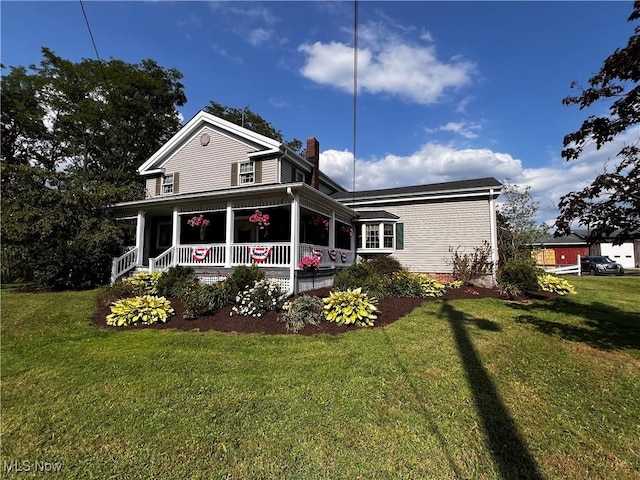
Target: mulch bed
390 310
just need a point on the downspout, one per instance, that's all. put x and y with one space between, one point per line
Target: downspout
494 234
295 212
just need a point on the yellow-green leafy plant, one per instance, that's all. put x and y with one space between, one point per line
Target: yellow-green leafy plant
555 284
146 309
454 284
351 307
147 281
430 286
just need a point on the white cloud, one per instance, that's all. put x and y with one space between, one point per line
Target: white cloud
435 163
464 129
386 64
224 54
259 35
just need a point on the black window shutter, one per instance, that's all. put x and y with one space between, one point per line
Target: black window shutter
234 174
176 182
257 171
158 185
399 236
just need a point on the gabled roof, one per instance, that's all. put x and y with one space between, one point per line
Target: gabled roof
448 189
259 142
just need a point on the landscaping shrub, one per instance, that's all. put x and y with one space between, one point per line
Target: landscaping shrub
518 277
174 280
351 307
301 311
360 275
385 265
119 290
146 281
430 286
403 284
200 299
244 277
555 284
261 298
145 309
454 284
467 267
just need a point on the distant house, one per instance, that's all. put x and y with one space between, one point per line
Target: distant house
211 187
565 250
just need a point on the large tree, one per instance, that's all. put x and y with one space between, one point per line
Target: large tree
611 203
73 136
251 121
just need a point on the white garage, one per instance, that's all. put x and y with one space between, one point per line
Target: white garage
622 254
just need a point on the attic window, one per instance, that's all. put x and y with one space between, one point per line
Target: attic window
299 176
167 183
245 172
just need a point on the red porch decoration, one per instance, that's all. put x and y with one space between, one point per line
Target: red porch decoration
200 253
259 254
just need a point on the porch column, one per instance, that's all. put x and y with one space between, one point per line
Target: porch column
175 239
494 233
332 231
295 240
140 237
229 235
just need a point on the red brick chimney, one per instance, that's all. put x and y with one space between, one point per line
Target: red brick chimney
313 156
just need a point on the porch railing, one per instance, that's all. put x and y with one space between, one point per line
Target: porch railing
201 255
123 263
279 254
329 257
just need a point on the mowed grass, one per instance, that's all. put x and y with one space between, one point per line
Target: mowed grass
478 388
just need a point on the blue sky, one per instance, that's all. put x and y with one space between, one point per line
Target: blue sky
447 90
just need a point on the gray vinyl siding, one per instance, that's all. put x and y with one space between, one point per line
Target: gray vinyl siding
207 168
431 228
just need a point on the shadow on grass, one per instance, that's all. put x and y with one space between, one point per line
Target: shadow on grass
603 326
509 450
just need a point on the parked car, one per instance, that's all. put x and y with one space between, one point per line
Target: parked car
600 265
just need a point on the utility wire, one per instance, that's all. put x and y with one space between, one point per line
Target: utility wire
95 48
355 93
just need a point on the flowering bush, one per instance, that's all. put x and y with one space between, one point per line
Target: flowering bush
263 297
199 222
260 219
309 263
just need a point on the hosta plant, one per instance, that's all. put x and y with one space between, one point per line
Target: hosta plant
301 311
263 297
146 309
555 284
430 286
454 284
146 281
351 307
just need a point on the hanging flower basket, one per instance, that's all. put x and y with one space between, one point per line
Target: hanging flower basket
262 220
199 222
346 229
319 222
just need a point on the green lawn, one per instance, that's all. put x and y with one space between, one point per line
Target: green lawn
462 389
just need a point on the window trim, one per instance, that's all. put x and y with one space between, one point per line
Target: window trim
241 173
380 237
164 183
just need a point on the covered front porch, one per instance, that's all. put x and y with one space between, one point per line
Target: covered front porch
272 227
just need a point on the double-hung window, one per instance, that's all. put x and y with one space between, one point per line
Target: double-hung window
372 238
167 184
387 239
246 172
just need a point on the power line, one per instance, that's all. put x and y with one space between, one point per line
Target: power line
95 48
355 91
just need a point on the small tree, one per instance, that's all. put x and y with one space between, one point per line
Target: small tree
517 226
